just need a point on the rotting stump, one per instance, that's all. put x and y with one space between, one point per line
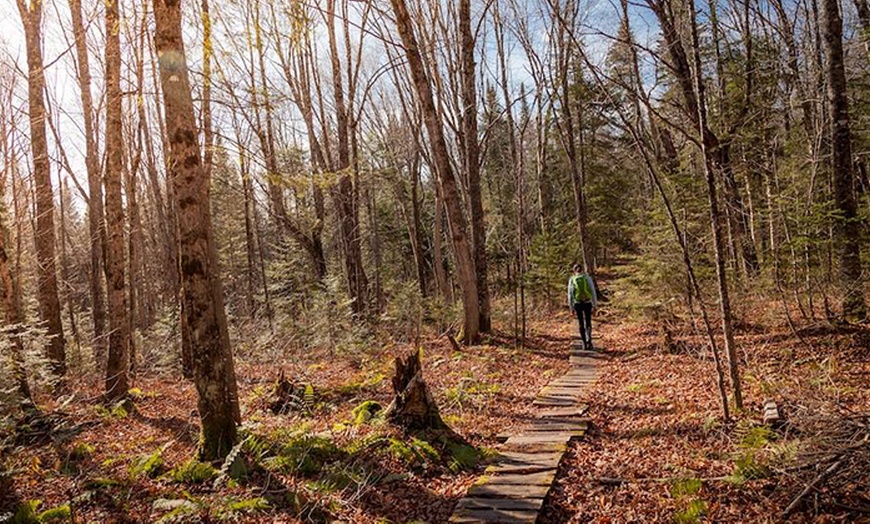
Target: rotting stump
513 488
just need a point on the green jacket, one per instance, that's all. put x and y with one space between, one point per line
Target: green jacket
581 288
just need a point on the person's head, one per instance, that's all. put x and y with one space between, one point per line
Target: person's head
578 269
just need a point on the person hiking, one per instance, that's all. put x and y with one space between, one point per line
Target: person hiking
582 299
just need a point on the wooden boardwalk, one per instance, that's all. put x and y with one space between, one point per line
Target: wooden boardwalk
513 488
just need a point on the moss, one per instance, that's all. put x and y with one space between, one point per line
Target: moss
246 506
81 451
462 457
302 454
365 412
102 483
25 513
59 514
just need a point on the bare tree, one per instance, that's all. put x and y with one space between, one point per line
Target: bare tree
49 302
715 215
118 363
96 229
201 292
468 87
847 230
441 157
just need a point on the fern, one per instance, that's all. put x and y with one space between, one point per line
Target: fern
148 465
193 472
233 466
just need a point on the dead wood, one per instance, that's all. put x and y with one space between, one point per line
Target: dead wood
413 407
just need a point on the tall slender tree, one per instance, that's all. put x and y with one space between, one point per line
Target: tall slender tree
467 80
201 290
118 363
847 229
96 229
716 218
49 302
456 217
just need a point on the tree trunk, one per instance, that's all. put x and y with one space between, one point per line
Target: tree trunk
715 217
119 327
96 233
847 229
441 156
201 293
250 245
413 407
412 221
49 303
437 252
12 314
66 289
346 211
472 160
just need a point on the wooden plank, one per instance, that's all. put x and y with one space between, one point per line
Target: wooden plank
554 403
508 469
494 516
571 381
559 390
539 438
581 366
506 456
509 491
574 411
563 427
540 478
535 447
562 420
499 504
542 425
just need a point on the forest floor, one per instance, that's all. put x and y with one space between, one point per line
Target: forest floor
324 460
657 450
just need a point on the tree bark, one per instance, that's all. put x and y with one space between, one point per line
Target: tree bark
472 160
96 233
715 217
118 363
201 293
847 229
49 302
437 251
413 407
441 156
343 194
12 314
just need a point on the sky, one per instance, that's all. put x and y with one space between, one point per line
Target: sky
598 15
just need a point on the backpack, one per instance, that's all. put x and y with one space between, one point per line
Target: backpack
581 288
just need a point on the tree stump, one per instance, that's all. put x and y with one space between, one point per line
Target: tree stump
413 407
287 396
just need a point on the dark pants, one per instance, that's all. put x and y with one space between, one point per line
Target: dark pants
583 310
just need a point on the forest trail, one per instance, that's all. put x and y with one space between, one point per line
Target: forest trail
513 488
